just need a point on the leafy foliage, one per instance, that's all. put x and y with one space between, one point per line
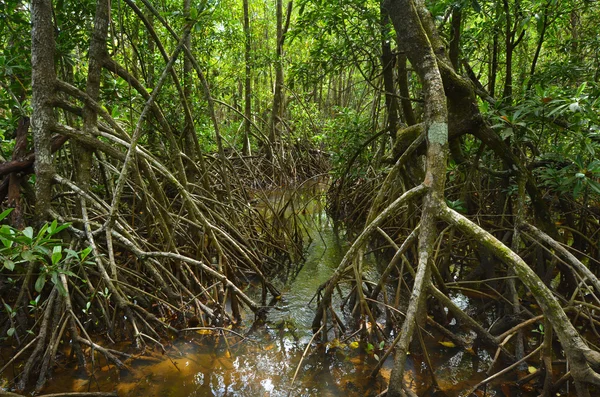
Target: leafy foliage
23 248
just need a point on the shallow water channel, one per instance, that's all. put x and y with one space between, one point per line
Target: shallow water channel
264 361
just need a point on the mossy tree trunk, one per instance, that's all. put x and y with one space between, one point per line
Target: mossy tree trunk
414 42
43 77
419 40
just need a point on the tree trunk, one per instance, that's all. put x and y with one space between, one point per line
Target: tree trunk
82 153
416 45
248 81
508 42
274 132
493 65
43 77
455 37
407 110
387 64
540 42
189 132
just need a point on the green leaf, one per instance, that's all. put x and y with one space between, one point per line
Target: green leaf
577 189
69 273
594 185
52 226
507 133
10 265
28 255
59 229
28 232
370 348
11 331
54 276
56 254
40 282
590 149
71 253
5 213
540 23
84 254
42 232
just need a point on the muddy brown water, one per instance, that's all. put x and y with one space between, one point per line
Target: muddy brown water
264 361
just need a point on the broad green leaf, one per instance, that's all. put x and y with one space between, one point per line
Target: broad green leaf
42 250
28 232
28 255
10 265
40 282
11 331
71 253
56 254
6 242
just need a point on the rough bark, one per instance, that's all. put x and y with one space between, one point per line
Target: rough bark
414 41
43 77
455 36
14 189
387 64
83 153
407 110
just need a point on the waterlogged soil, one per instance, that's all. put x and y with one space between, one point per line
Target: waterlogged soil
264 361
277 358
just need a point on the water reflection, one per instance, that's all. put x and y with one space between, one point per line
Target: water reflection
263 364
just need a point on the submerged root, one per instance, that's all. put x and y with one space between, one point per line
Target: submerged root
174 256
